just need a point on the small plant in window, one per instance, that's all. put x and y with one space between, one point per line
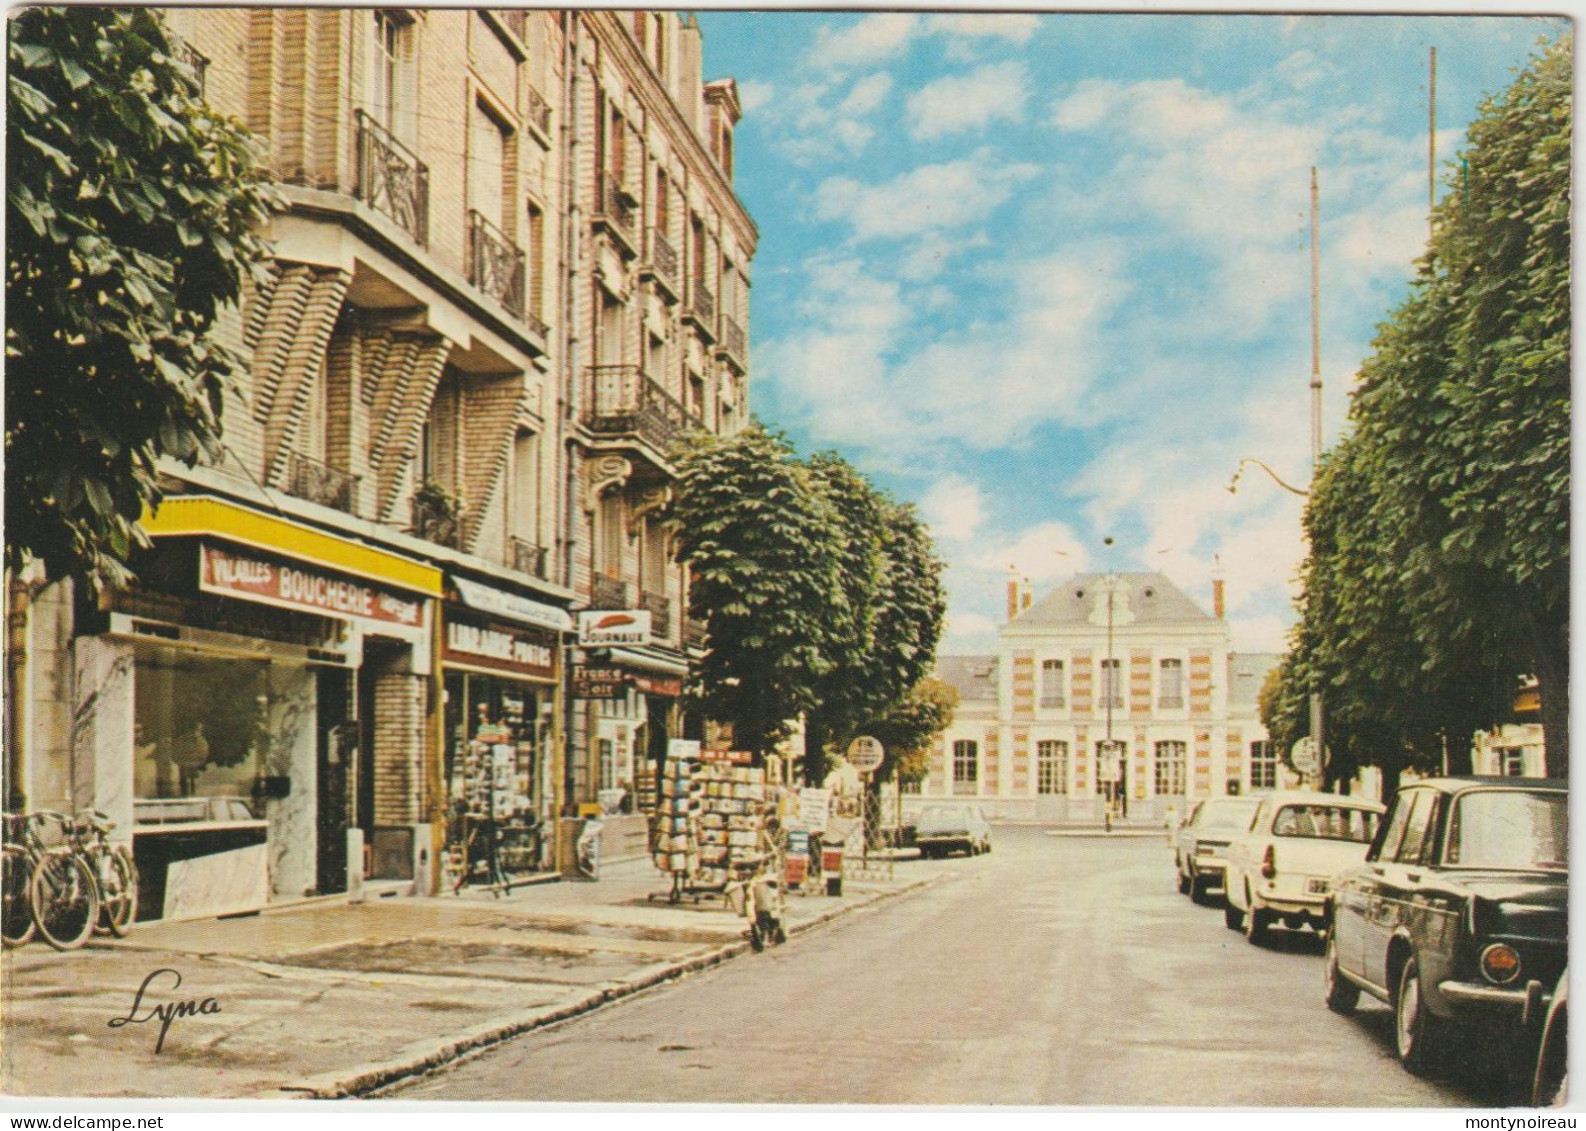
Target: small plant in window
436 512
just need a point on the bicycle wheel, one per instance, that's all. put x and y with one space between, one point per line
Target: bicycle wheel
16 913
65 899
118 890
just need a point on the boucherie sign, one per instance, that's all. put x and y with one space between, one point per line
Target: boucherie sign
276 583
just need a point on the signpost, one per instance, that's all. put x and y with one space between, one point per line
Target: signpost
865 754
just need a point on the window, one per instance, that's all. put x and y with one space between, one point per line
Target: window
1398 818
910 785
611 537
1326 822
525 523
1109 761
1169 770
1111 684
966 765
608 763
1051 684
1170 686
391 93
1510 828
1263 765
1051 767
488 167
1415 829
1511 761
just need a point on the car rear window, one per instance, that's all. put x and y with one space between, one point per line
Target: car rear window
1227 816
1510 828
1326 822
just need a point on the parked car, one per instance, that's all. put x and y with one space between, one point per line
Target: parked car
1280 871
1201 841
1458 916
1548 1083
948 828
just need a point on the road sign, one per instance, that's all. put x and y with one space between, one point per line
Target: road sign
865 754
1303 756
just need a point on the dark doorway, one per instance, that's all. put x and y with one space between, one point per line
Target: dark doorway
337 754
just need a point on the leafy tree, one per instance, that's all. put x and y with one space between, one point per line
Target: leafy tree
760 542
905 728
131 211
1438 573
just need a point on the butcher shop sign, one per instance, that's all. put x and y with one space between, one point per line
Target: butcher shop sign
605 628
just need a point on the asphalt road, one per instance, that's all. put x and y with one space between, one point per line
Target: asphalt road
1055 971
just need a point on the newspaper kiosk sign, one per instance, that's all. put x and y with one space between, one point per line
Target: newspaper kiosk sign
599 628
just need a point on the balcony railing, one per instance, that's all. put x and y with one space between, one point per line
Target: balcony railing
320 483
660 610
196 60
627 401
616 204
436 524
702 302
663 258
539 110
495 263
693 633
733 338
525 557
608 593
391 178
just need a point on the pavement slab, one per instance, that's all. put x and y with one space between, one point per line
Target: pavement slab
332 999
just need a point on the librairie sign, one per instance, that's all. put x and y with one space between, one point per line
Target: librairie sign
500 647
294 587
601 628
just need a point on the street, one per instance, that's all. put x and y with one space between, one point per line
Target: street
1058 970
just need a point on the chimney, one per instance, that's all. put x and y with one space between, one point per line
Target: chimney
1013 593
1218 607
1025 597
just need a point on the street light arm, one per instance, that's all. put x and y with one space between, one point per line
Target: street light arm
1233 484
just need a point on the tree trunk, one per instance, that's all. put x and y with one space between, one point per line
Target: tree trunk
1549 639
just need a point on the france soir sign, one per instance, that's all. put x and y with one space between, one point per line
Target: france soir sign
275 583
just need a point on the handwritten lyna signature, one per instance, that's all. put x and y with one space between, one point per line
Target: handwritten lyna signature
166 1012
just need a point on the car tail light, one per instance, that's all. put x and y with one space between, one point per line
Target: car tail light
1269 863
1500 964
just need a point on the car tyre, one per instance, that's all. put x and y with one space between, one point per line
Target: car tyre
1183 883
1418 1036
1342 994
1199 887
1233 918
1257 920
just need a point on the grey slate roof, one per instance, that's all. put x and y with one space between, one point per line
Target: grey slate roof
1153 599
974 677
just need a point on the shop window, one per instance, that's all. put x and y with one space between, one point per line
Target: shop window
608 763
203 730
494 731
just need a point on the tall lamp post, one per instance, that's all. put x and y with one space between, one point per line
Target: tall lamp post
1119 788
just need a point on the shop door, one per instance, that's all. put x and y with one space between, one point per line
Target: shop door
337 754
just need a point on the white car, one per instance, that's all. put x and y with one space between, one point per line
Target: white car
1281 870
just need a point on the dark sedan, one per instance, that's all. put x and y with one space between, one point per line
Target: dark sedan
1458 918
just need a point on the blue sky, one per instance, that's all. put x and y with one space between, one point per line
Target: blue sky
1048 276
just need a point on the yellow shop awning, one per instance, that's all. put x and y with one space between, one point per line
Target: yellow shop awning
199 516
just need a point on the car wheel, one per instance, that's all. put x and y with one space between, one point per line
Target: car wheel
1183 883
1342 994
1257 920
1199 886
1417 1034
985 846
1233 918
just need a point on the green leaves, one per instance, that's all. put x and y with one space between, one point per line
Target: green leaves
1438 575
113 280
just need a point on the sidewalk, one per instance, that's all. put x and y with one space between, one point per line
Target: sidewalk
331 1000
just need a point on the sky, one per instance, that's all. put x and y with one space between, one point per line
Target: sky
1048 276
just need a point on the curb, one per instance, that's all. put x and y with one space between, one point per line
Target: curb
345 1084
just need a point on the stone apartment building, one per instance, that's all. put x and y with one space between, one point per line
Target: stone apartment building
511 268
1112 689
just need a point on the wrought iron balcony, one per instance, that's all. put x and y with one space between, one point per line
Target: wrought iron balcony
664 260
539 110
195 60
525 557
733 340
608 592
660 610
391 178
436 524
627 402
701 302
693 633
495 263
320 483
617 205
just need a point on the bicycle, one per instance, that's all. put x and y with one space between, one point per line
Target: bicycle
19 856
115 873
63 890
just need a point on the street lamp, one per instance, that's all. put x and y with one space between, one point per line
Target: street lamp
1119 790
1233 484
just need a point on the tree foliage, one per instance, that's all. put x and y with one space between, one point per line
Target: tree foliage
131 212
821 595
906 727
1439 528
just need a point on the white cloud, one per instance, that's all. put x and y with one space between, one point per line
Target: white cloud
866 95
996 92
875 38
1302 69
954 509
929 197
753 94
1014 28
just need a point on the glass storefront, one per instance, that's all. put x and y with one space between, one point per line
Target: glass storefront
496 728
